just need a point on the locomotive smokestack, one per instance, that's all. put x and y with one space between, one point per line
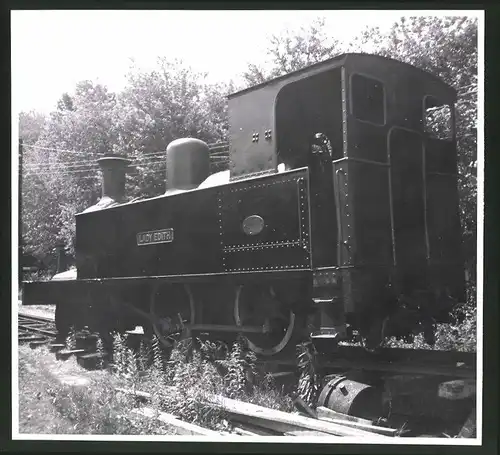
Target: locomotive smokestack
113 169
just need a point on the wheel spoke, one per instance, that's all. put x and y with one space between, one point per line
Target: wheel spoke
269 311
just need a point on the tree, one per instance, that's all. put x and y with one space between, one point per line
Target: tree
169 102
294 50
31 126
65 103
60 175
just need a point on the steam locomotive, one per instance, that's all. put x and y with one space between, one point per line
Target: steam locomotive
338 219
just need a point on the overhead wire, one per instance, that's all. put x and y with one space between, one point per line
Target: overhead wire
89 165
92 160
87 168
213 146
75 164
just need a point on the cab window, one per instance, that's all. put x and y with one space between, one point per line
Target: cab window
367 99
437 119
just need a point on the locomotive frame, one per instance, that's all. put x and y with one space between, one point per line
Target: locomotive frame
358 236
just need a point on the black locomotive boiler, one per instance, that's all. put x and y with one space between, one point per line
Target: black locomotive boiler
337 218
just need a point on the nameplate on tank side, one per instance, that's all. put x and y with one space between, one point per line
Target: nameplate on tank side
154 237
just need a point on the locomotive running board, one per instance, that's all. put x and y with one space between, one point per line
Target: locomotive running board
49 292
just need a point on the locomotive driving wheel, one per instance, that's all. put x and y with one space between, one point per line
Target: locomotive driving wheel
171 308
259 306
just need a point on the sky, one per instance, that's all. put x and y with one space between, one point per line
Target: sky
53 50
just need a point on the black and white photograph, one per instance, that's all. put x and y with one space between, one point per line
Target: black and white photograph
248 225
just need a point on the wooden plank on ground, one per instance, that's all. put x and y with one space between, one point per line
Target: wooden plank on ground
307 433
321 411
328 415
252 430
68 352
180 427
281 421
243 432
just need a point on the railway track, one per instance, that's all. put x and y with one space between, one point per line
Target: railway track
390 362
42 330
36 330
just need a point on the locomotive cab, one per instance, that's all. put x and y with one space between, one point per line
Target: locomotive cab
384 219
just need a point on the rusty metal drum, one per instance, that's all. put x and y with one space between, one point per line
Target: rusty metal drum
351 397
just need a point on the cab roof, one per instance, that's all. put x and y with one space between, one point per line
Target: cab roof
341 60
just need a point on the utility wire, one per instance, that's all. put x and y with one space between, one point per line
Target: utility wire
63 167
214 146
89 165
36 172
131 174
50 148
73 164
92 160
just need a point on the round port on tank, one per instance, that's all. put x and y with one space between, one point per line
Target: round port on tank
253 225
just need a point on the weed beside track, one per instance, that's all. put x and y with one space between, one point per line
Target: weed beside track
52 402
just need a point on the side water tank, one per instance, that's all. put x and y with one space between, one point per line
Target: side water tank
188 164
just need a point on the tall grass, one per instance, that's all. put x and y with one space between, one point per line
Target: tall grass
47 405
309 385
460 335
181 381
184 381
